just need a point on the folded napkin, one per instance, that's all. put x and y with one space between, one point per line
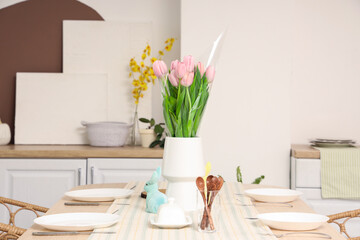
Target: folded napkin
340 172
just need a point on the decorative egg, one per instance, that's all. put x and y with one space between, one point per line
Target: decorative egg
5 134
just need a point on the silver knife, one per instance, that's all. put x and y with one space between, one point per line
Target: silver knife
92 203
67 233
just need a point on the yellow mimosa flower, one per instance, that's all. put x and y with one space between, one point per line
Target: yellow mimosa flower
143 73
136 83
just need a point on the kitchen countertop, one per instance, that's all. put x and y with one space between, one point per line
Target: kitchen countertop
304 151
77 151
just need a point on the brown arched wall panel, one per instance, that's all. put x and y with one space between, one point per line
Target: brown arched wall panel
31 41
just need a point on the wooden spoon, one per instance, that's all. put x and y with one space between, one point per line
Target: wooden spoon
216 185
200 183
201 186
210 186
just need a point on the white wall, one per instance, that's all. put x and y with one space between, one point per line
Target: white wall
289 71
247 118
326 70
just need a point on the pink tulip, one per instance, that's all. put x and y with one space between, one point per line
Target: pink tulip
188 79
174 64
201 67
180 70
173 79
159 68
210 73
189 63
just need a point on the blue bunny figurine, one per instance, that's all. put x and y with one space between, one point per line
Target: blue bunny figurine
154 198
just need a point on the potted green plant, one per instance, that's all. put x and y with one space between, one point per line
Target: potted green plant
153 134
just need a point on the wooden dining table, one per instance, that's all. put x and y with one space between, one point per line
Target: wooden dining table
298 206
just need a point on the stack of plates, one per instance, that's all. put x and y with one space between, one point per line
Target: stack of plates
320 142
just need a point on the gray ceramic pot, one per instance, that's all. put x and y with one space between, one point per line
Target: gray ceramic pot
107 134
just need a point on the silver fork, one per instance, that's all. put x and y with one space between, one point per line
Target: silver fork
321 235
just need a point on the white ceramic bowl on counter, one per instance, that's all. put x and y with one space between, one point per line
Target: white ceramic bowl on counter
107 134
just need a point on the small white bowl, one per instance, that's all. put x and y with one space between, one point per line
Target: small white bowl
273 194
170 215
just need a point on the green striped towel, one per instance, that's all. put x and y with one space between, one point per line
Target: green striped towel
340 172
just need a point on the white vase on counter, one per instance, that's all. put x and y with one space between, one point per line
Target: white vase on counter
5 133
183 162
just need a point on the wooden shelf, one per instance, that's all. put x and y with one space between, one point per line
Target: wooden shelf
77 151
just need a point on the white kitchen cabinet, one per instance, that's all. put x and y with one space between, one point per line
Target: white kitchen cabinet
306 177
38 181
41 174
113 170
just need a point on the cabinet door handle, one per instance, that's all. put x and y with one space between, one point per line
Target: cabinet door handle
79 176
92 175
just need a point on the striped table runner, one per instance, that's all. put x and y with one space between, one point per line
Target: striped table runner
134 221
340 172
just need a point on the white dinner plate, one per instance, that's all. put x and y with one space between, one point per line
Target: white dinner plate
77 221
273 194
165 225
99 194
293 221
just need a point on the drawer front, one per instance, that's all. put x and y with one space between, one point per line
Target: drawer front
315 194
119 170
310 193
307 173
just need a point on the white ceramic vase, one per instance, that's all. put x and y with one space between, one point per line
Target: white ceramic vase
5 134
182 164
